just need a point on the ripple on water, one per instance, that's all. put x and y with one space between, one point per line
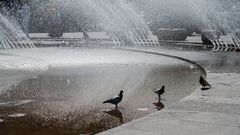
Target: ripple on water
16 115
143 109
14 103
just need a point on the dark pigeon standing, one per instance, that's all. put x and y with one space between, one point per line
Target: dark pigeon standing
116 99
204 83
159 92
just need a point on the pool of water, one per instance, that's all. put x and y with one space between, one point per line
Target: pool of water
67 99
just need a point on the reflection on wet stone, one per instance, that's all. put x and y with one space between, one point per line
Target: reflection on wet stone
159 105
115 113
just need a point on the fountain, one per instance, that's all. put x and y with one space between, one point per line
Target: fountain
133 22
119 19
223 24
211 17
122 21
66 98
11 37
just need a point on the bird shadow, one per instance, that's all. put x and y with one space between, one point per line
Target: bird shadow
203 89
159 105
115 113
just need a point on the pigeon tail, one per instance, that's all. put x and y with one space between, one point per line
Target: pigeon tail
107 101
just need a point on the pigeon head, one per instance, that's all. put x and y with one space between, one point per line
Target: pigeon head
121 92
201 77
163 87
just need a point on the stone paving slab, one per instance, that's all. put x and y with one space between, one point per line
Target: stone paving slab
215 99
159 126
208 107
222 119
212 112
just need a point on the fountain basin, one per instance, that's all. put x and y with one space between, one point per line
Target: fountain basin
67 98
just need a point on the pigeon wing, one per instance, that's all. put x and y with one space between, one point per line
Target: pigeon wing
112 100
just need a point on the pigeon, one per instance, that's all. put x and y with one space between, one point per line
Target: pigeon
115 100
159 92
204 83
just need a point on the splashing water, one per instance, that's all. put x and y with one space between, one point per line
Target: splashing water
195 16
11 37
120 19
224 18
